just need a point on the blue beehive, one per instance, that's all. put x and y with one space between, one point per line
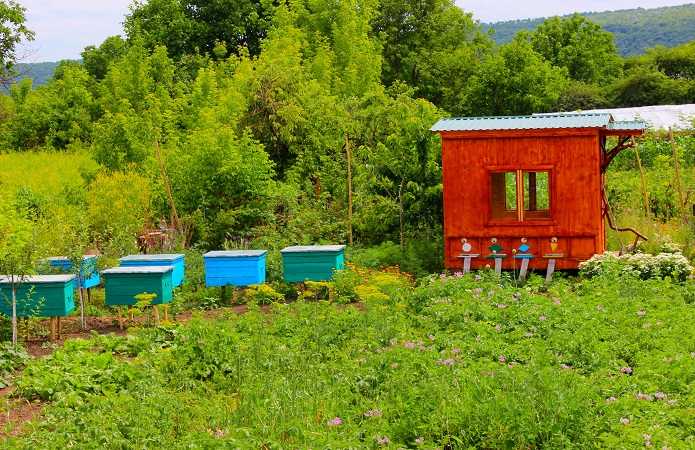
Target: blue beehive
313 263
64 265
164 259
39 295
234 267
122 284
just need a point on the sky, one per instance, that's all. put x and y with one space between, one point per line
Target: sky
65 27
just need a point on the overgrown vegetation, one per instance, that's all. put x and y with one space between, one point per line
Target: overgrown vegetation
210 142
453 361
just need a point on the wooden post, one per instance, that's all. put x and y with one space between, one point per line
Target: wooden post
177 222
156 314
524 268
644 183
349 174
52 329
166 313
120 318
498 266
551 269
678 176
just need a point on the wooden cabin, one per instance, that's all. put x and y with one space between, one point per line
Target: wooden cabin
527 190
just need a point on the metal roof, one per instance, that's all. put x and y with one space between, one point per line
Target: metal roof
627 125
535 122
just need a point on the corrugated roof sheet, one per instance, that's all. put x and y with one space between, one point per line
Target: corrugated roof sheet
535 122
627 125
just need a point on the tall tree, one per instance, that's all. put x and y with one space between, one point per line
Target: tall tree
190 27
53 115
12 32
579 45
399 178
514 80
431 45
96 60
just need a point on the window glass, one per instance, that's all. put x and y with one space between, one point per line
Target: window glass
508 188
536 191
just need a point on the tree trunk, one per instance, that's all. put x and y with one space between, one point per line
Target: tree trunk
400 213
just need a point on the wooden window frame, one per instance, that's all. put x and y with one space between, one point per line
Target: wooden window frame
519 216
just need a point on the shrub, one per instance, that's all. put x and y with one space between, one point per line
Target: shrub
644 266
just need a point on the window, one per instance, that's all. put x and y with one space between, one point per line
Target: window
520 194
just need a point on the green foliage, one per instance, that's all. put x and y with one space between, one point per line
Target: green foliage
12 31
96 60
580 46
515 80
189 27
634 30
73 374
118 208
479 362
431 46
12 359
641 265
56 115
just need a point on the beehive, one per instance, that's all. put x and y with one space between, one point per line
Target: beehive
234 267
122 284
313 263
164 259
39 295
64 265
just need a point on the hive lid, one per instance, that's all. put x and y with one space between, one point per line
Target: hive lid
234 253
152 257
138 269
313 248
37 279
65 258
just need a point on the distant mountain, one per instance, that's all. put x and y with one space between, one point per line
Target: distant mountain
39 72
634 30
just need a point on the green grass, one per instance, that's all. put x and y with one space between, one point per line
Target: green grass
457 362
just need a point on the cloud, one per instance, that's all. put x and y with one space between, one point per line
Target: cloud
63 29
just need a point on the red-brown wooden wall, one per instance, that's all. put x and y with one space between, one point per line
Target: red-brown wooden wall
575 195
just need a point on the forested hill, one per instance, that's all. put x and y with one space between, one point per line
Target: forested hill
40 72
634 30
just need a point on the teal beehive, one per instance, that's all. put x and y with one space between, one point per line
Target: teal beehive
163 259
39 295
234 267
313 263
89 276
122 284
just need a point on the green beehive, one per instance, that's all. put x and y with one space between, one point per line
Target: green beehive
313 263
122 284
38 296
